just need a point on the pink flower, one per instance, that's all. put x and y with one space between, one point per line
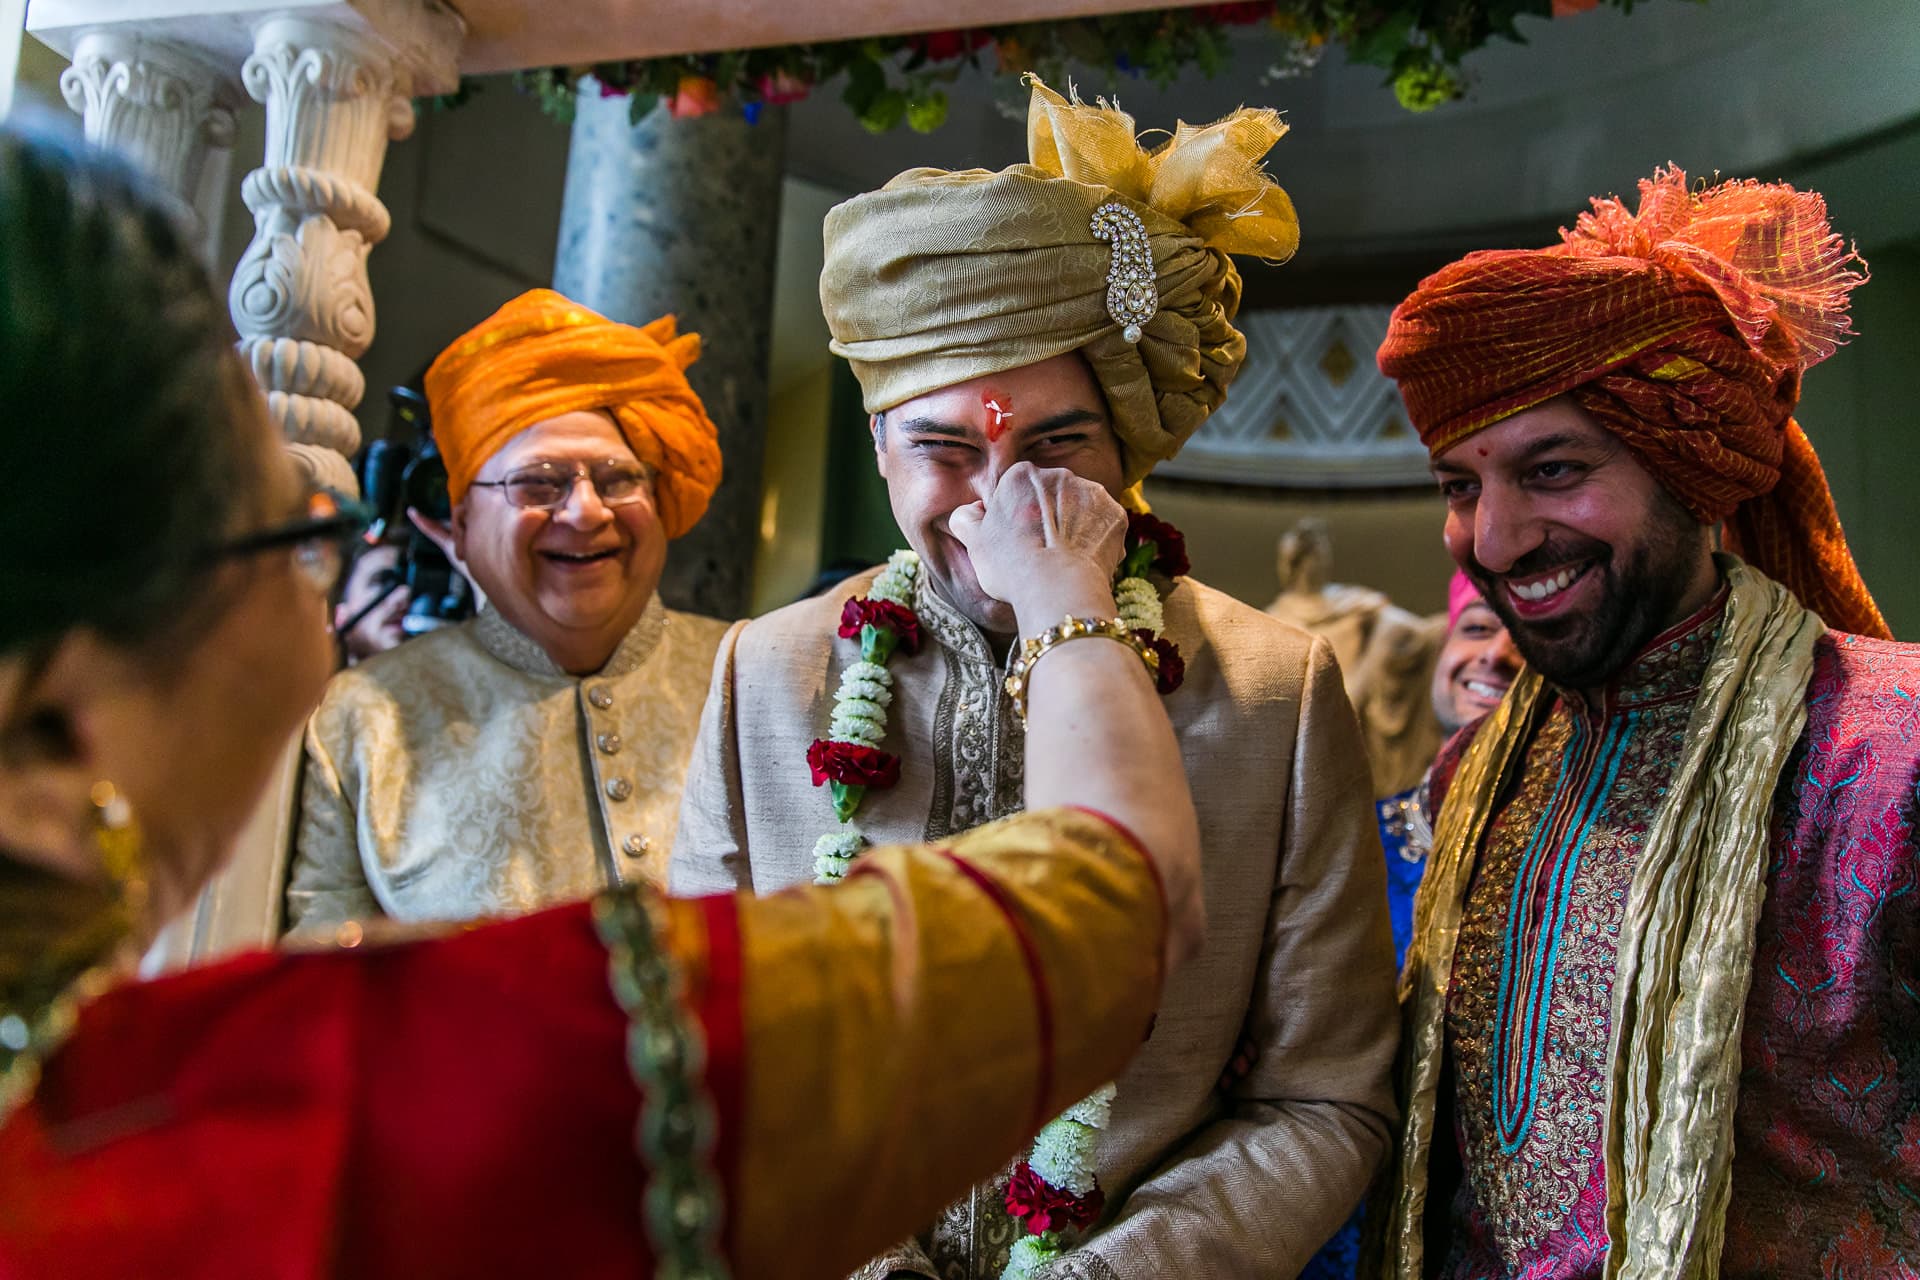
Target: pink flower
695 96
1032 1201
851 764
782 86
1172 671
864 611
1169 544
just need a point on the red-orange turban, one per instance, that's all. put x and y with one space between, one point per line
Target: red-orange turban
1683 327
541 356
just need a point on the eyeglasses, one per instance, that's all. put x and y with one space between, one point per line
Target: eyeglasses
547 486
319 539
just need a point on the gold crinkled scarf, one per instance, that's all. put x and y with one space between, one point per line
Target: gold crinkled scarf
940 277
1686 947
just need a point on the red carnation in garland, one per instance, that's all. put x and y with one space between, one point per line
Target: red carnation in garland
852 764
1035 1203
1169 544
1173 668
865 611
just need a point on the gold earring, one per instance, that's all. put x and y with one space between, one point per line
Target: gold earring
117 837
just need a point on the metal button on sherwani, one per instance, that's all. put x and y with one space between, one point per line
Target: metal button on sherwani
635 845
618 789
600 696
609 743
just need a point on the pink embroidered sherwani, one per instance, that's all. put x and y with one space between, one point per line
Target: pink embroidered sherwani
1826 1163
1201 1182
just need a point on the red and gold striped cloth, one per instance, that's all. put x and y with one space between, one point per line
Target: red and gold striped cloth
1684 327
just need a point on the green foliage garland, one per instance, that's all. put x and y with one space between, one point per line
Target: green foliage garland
902 79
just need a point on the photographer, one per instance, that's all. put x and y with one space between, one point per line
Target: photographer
401 581
373 603
533 753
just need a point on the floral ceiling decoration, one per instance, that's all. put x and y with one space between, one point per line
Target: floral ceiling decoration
887 81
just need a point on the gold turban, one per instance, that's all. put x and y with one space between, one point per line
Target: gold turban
940 277
541 356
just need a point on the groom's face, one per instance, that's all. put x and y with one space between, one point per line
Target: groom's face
950 447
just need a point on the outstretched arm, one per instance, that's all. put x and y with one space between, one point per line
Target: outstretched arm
1259 1190
1047 543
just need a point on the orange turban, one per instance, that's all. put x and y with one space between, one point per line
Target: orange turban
1684 328
541 356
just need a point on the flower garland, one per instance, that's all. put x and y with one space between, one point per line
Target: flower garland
900 79
849 761
849 758
1056 1189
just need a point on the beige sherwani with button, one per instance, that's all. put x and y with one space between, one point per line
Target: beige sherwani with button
463 774
1203 1182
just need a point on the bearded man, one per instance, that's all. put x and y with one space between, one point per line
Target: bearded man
1073 315
1661 1010
534 753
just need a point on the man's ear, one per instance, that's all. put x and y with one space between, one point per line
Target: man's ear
458 527
49 749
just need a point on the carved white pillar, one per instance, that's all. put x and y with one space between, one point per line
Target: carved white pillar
300 296
163 107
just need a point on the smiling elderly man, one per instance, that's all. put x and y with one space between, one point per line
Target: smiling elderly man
534 753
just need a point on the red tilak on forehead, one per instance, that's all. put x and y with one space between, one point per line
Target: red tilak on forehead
999 407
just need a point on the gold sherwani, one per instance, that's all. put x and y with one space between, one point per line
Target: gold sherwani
1201 1181
464 774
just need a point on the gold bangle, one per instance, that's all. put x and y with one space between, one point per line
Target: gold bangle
1069 628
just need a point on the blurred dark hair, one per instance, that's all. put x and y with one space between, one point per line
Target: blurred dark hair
120 401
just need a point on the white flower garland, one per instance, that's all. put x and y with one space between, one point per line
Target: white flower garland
1140 608
1065 1151
1064 1155
860 714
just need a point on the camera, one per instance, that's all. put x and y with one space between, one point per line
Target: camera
405 471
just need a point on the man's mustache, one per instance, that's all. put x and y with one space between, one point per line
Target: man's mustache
1544 558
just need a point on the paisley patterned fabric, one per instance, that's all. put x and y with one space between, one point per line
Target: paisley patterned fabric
1529 1019
464 774
1827 1141
1826 1164
1201 1180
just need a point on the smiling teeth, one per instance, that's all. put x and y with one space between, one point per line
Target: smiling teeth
1479 690
1547 586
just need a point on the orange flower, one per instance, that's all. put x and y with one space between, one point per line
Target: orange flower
694 96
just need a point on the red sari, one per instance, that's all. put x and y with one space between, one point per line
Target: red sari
465 1106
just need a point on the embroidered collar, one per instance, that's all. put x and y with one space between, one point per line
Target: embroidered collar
948 626
1668 668
502 640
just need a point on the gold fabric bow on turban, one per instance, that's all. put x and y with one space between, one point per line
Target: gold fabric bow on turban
940 277
542 355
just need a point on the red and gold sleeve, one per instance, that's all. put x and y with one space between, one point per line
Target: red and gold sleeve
900 1035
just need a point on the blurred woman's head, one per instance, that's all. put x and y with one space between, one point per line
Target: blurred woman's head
150 636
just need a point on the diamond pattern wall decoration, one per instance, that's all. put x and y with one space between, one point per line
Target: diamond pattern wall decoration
1309 410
